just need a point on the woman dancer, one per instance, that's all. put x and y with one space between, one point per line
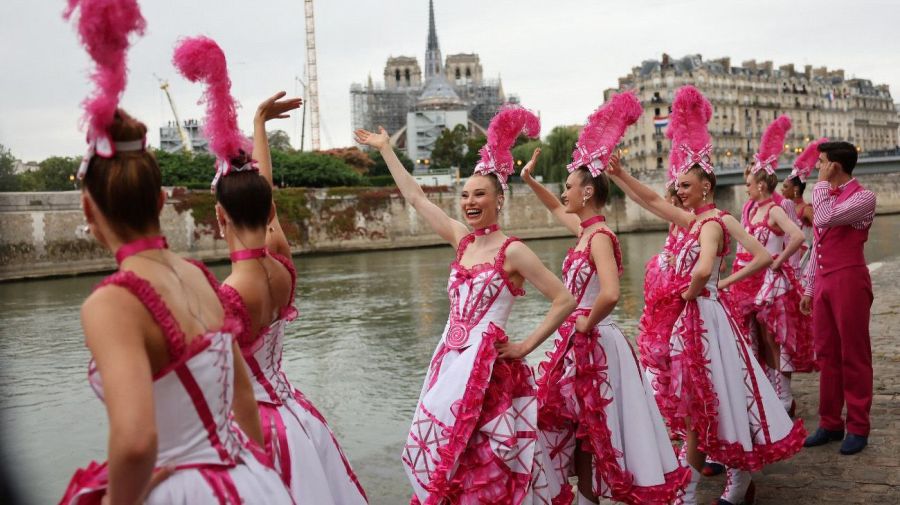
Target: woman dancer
474 436
721 402
792 189
602 420
164 360
260 288
768 302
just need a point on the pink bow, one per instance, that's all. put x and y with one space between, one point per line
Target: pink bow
590 159
488 165
767 164
692 158
224 167
102 146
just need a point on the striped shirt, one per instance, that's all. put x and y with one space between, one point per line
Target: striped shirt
858 211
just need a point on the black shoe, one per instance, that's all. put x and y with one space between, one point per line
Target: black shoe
822 437
712 469
853 444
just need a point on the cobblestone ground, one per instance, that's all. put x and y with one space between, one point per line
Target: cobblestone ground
821 475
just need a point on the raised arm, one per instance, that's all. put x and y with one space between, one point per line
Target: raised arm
647 198
761 257
790 228
827 212
603 255
274 107
547 198
112 321
448 228
524 262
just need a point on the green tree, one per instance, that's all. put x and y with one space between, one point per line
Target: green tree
8 179
194 171
473 145
57 173
380 168
523 152
315 170
353 157
558 151
279 141
450 147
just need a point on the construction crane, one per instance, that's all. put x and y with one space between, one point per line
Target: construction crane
313 80
186 144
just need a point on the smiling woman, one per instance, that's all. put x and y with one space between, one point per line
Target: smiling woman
474 435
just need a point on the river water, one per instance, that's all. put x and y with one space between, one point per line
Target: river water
368 325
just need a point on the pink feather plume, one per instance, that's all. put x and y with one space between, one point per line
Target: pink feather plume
200 59
606 126
691 112
104 27
509 122
806 162
772 142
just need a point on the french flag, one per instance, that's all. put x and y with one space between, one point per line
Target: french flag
660 121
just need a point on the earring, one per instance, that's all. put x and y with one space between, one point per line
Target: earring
221 230
704 195
584 201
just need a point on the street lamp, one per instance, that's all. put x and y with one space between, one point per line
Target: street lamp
72 180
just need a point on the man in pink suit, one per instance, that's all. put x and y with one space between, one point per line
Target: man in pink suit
839 295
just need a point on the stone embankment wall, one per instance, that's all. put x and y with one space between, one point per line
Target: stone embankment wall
38 230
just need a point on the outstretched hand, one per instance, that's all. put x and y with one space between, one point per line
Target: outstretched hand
529 167
511 350
376 140
614 168
277 107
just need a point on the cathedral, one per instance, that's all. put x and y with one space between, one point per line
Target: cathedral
415 110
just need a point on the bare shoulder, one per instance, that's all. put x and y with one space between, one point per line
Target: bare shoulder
517 250
112 310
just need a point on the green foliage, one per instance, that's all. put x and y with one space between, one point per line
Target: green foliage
193 171
353 157
450 147
380 168
557 152
8 179
473 145
57 173
279 141
314 170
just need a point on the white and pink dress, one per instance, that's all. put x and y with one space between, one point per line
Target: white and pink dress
192 400
772 298
718 384
655 325
592 391
474 436
297 438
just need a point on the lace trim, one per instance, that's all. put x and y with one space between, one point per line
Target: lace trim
234 305
288 311
497 264
726 237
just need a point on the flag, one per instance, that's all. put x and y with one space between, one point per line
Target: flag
660 121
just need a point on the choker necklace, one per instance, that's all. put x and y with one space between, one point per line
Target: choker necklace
139 246
703 208
591 220
480 232
249 254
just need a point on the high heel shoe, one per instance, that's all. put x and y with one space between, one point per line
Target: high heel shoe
749 497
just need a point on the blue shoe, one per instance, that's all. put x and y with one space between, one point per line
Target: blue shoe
822 437
853 444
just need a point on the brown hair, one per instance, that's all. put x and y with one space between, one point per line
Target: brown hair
599 183
842 153
245 196
126 187
704 176
771 180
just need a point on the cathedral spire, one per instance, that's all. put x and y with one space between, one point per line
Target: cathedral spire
433 61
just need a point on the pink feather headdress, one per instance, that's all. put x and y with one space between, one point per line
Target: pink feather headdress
104 27
806 162
691 142
603 131
496 157
201 59
771 145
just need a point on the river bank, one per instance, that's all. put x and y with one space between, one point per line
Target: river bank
38 230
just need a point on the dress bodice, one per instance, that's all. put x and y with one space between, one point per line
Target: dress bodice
479 295
580 272
263 350
769 237
686 257
673 242
192 396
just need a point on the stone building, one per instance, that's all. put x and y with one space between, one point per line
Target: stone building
415 108
170 139
746 98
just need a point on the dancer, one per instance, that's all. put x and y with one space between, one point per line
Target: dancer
767 303
839 294
792 189
164 363
721 402
474 436
600 417
260 288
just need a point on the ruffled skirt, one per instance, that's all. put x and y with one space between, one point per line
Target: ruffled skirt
592 391
307 455
655 326
248 482
720 387
474 437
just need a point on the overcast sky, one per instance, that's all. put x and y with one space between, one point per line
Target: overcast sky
558 56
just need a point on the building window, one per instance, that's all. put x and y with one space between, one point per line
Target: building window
658 147
468 72
659 163
406 72
656 111
397 75
458 74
